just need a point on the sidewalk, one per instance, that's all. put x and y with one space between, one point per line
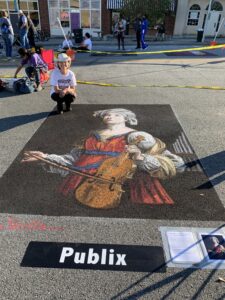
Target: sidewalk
109 40
110 44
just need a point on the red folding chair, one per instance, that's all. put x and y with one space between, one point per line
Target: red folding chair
48 57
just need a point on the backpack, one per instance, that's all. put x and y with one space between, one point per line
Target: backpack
23 86
5 28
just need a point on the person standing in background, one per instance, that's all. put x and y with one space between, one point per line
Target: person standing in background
137 28
31 32
124 21
23 30
144 27
7 34
127 26
119 32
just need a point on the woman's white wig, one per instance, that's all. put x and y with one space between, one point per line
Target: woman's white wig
129 116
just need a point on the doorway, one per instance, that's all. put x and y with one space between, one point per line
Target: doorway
213 23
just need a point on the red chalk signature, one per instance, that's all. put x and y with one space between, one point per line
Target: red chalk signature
16 224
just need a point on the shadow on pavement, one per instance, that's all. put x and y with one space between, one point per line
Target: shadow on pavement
6 94
212 165
15 121
181 276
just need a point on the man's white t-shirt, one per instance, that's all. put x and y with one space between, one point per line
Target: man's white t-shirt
88 43
62 81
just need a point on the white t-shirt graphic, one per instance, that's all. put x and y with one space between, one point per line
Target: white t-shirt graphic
62 81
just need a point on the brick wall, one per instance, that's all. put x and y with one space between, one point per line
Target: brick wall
44 17
106 18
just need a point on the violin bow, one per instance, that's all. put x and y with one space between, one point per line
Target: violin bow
70 170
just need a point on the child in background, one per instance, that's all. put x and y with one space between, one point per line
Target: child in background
68 43
63 82
35 66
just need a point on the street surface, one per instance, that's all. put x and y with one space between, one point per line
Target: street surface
201 114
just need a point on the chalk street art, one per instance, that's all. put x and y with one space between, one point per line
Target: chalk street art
13 224
126 161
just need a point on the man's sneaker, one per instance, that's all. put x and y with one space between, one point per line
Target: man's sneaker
60 112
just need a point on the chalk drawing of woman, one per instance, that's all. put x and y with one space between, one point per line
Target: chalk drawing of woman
151 160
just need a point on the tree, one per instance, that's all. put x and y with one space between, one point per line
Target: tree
154 10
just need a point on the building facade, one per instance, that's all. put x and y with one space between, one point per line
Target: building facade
192 15
71 14
96 16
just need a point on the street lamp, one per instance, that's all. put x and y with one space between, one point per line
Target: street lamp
207 19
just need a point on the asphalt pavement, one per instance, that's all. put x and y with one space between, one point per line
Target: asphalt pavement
199 112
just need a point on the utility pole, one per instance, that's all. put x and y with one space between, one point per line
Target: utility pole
207 19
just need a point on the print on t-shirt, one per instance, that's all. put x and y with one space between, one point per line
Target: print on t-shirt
64 83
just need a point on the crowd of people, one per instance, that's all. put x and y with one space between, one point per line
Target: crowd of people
63 80
26 31
141 26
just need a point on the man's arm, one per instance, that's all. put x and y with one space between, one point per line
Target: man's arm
18 70
24 22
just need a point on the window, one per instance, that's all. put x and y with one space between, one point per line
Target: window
64 18
85 4
53 18
95 4
216 6
95 20
23 5
74 4
193 15
11 5
53 4
64 4
85 19
3 5
90 14
32 5
35 18
195 7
